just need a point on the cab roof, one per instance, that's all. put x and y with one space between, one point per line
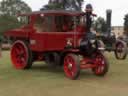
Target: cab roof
54 12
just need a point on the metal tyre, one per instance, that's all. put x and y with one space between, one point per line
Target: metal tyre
21 55
72 66
102 65
120 50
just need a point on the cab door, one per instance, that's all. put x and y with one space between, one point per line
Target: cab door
56 38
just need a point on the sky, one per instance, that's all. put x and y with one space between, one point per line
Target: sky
119 8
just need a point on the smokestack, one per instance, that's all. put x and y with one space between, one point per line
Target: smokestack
108 20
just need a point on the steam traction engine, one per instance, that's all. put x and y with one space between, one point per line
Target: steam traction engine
112 43
58 38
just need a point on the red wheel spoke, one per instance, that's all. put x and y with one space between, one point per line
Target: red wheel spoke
17 51
100 65
70 66
19 55
23 60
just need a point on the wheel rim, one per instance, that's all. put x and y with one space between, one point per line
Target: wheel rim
120 49
100 62
69 66
19 55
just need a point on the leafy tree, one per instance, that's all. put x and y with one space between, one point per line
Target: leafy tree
100 25
8 14
76 4
64 4
7 23
14 7
126 24
53 5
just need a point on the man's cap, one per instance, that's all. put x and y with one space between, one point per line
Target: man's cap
89 7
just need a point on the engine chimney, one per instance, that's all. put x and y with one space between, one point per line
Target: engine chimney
108 21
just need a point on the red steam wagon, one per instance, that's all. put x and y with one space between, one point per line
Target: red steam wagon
58 37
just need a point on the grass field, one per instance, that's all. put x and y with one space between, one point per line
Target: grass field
40 80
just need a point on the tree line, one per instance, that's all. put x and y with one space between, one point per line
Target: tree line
10 8
64 4
8 14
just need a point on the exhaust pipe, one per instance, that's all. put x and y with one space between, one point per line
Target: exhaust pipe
108 21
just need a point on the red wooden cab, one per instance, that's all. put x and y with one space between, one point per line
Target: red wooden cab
55 37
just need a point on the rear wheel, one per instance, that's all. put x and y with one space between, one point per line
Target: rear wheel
21 55
121 50
72 66
102 65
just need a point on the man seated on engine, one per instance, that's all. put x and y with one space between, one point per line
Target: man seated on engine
88 41
88 16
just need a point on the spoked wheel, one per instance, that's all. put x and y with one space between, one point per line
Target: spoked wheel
101 65
21 55
72 66
121 50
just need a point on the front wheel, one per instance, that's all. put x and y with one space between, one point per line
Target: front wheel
102 65
72 66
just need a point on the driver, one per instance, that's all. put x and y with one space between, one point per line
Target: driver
88 16
89 38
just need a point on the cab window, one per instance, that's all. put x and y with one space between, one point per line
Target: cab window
43 23
63 23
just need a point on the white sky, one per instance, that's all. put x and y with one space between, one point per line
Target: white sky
119 8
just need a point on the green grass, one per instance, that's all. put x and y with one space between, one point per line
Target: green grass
40 80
